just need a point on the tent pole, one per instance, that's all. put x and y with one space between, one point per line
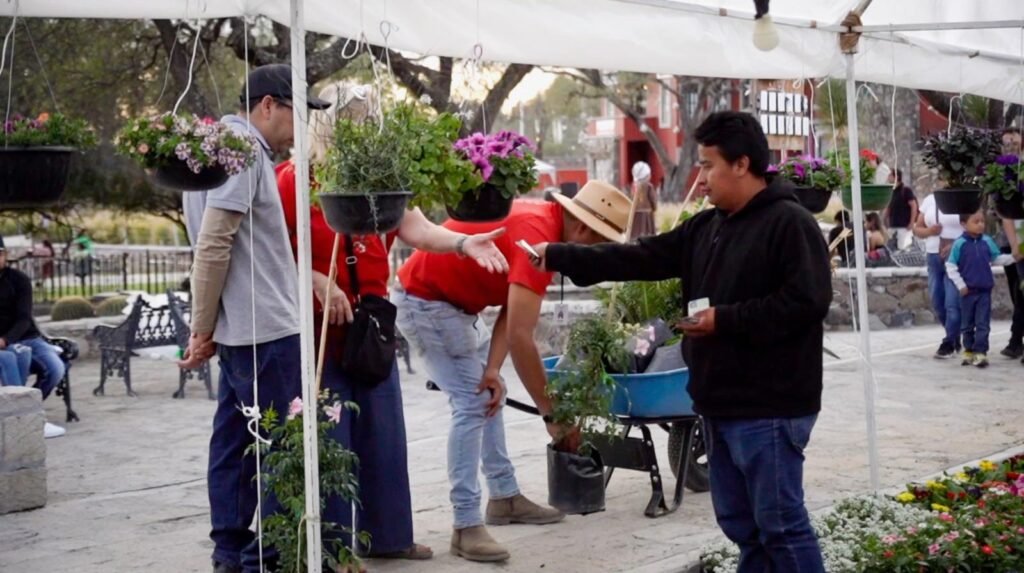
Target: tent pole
309 394
862 282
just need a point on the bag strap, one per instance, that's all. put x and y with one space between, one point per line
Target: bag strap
350 260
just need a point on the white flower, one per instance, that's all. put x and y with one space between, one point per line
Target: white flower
425 99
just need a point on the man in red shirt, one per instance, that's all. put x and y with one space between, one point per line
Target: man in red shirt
439 300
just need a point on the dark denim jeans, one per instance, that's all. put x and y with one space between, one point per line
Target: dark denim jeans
46 363
231 476
1013 276
976 312
757 491
937 286
953 317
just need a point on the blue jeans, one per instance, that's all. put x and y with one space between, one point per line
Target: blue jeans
976 309
454 346
46 363
231 474
757 492
377 435
937 286
952 321
14 364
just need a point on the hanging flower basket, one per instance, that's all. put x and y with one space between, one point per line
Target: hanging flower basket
872 197
186 152
1004 180
364 214
958 201
33 176
813 199
176 175
480 206
1012 208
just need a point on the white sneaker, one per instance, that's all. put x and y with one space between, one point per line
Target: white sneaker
53 431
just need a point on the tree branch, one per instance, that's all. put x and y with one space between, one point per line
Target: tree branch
496 97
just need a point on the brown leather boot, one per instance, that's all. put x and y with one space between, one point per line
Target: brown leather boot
518 509
476 544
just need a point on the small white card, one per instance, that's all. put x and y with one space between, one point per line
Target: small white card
561 314
698 305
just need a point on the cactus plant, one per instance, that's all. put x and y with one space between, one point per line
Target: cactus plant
71 308
112 306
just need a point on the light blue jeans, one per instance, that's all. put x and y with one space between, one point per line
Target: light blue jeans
454 347
14 365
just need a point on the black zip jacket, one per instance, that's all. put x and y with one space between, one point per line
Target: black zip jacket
16 306
765 270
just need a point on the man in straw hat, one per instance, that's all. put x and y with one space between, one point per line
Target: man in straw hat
439 300
755 272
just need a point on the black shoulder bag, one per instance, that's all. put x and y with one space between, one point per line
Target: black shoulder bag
370 342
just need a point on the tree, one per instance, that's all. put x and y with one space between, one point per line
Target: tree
974 111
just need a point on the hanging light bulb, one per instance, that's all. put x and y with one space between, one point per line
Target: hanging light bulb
766 37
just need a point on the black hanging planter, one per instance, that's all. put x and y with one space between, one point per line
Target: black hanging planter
1012 208
813 199
176 175
33 176
958 201
575 482
364 214
480 206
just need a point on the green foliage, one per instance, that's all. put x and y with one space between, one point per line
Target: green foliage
112 306
71 308
806 171
841 157
1004 177
48 130
405 150
284 475
961 156
638 302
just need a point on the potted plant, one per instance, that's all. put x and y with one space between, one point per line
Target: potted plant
872 197
814 180
505 164
35 158
186 152
283 474
1003 179
960 157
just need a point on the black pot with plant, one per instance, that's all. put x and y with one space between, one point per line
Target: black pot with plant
504 162
1003 180
35 158
960 157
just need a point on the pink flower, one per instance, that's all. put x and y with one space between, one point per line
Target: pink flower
933 549
946 517
143 148
891 539
642 346
208 120
294 408
333 412
952 536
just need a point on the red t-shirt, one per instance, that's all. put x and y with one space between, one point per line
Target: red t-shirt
371 253
464 284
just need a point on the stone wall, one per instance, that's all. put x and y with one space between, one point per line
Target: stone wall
22 450
898 297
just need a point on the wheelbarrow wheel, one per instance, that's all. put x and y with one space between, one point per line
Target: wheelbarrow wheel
697 479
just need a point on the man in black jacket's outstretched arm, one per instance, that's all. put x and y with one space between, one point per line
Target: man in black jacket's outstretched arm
758 266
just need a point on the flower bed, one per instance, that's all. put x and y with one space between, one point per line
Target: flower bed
970 521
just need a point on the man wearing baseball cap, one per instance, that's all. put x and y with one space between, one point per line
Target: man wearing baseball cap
439 300
245 307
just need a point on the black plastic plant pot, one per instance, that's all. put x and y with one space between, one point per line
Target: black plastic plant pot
813 199
364 214
33 176
575 482
872 197
481 206
958 201
176 175
1012 208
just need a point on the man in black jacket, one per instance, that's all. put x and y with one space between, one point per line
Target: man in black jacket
758 267
18 326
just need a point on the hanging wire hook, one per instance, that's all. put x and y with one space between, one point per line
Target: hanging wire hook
170 61
958 98
892 110
42 68
191 66
12 34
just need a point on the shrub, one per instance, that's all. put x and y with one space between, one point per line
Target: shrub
71 308
113 306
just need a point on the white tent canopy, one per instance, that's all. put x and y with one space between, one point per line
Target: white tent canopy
692 37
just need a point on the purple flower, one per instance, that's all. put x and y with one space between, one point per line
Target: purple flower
773 168
1007 160
799 170
483 165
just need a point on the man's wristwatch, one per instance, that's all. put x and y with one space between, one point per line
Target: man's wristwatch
460 244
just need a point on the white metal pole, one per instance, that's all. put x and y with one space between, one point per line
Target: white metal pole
305 264
862 281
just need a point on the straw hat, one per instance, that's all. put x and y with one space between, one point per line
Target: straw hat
601 207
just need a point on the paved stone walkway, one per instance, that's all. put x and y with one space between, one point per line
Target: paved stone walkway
127 484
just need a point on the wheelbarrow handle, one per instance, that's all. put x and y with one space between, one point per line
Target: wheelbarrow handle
512 403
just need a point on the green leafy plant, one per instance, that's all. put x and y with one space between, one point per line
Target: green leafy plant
961 156
807 171
405 150
284 476
48 130
199 142
638 302
1004 177
841 160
